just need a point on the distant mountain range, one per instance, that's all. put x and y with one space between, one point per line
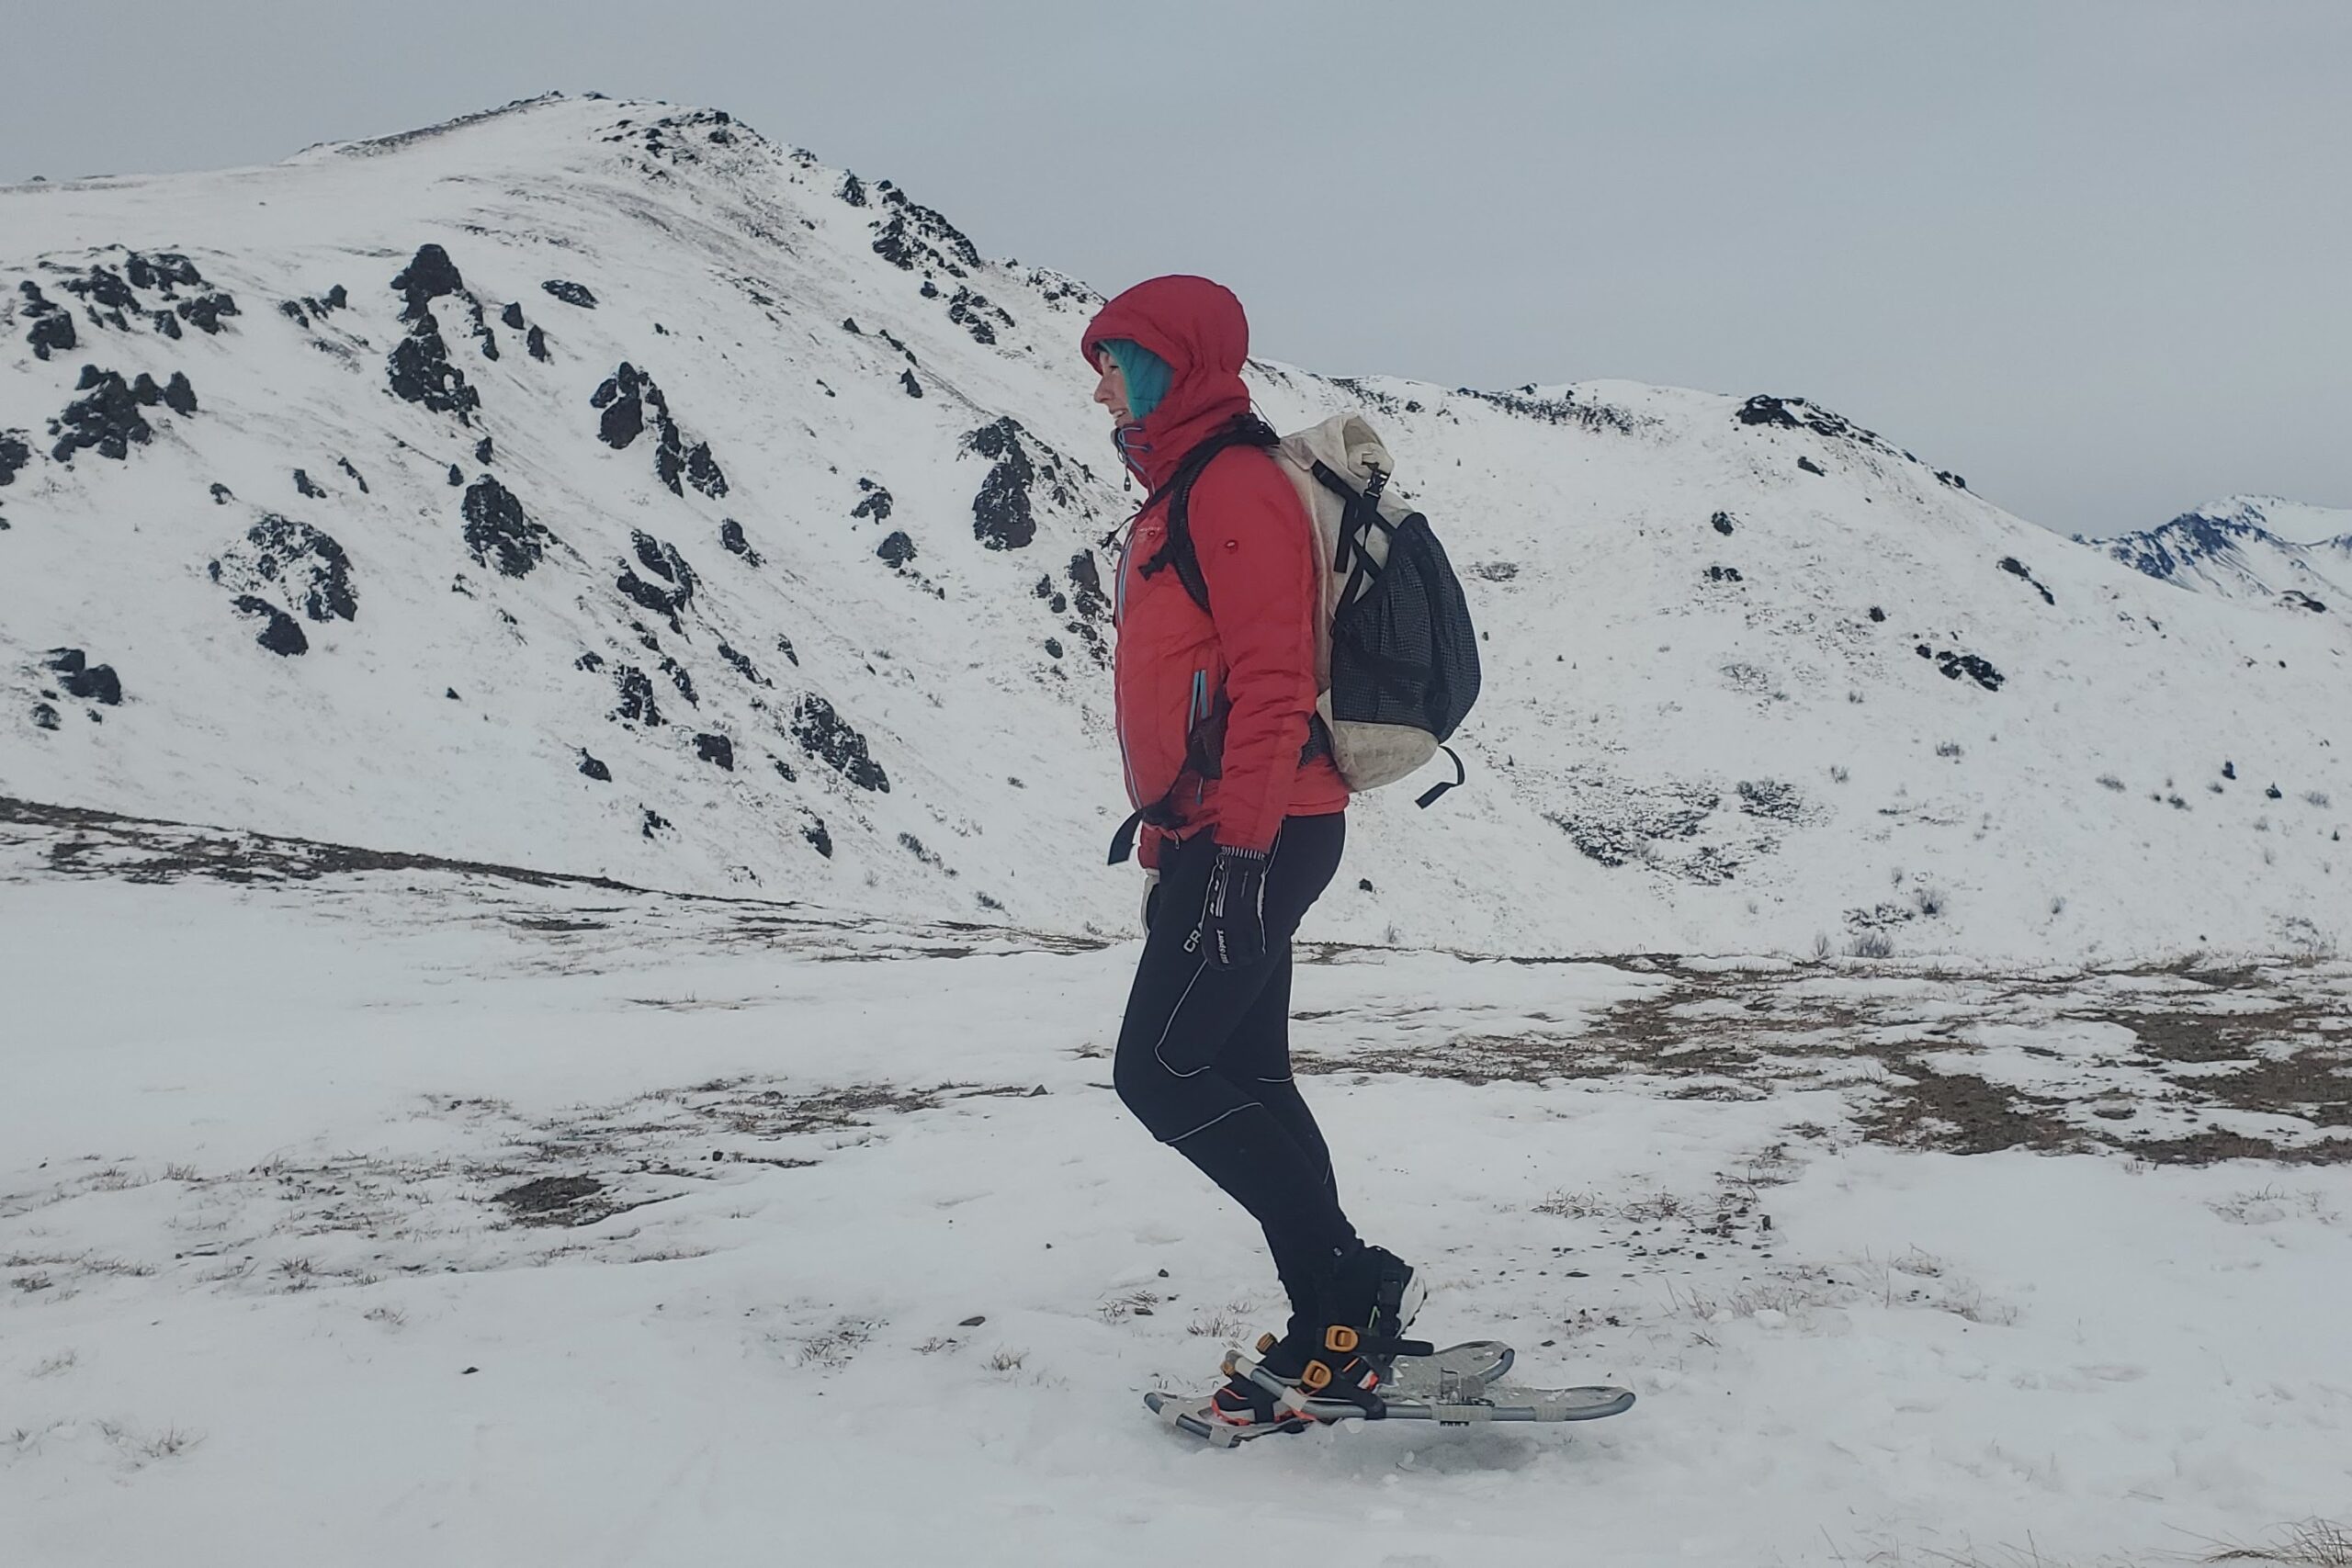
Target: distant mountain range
2251 548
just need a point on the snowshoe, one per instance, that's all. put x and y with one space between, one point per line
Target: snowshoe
1459 1386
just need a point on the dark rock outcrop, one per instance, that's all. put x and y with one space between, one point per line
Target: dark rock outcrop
307 566
281 633
499 532
429 275
204 312
914 235
420 372
633 402
571 293
2016 568
91 682
53 330
703 471
636 704
972 312
1002 518
730 537
826 736
744 666
715 749
107 416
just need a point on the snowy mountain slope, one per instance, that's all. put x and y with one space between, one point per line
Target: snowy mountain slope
704 517
2254 548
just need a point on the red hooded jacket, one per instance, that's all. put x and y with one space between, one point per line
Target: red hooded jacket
1256 642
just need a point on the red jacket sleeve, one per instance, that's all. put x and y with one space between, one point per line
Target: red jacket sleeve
1257 554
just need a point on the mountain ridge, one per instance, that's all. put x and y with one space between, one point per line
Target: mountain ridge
587 435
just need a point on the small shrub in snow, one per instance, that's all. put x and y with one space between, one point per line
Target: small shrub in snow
2315 798
1837 774
1948 748
1929 901
1871 944
2175 803
1216 1326
2213 786
2058 904
2109 781
1821 947
834 1348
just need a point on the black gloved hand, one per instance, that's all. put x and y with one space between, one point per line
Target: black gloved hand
1233 921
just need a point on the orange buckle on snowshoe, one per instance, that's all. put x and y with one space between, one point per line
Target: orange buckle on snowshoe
1340 1338
1316 1376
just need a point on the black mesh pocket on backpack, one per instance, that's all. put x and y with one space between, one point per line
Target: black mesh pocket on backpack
1405 651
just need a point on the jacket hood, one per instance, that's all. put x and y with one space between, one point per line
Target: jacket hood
1198 327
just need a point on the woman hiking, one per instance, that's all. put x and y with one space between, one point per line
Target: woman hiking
1242 818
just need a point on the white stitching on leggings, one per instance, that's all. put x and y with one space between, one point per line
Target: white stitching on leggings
1213 1122
1171 1024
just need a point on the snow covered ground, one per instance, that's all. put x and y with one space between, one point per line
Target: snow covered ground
395 1214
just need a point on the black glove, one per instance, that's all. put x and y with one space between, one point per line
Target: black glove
1233 920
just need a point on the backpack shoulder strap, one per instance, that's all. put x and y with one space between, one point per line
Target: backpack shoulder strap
1176 552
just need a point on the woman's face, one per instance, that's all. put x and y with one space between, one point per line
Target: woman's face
1112 391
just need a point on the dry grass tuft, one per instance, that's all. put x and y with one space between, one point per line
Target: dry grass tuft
2311 1543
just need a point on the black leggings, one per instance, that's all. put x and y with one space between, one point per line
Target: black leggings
1204 1052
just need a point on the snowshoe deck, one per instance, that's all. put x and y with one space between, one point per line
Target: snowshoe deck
1459 1386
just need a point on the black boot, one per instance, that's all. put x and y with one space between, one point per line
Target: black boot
1366 1302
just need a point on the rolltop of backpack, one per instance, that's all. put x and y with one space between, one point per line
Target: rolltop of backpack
1396 657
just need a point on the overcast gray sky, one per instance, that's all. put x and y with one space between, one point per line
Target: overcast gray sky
2092 254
